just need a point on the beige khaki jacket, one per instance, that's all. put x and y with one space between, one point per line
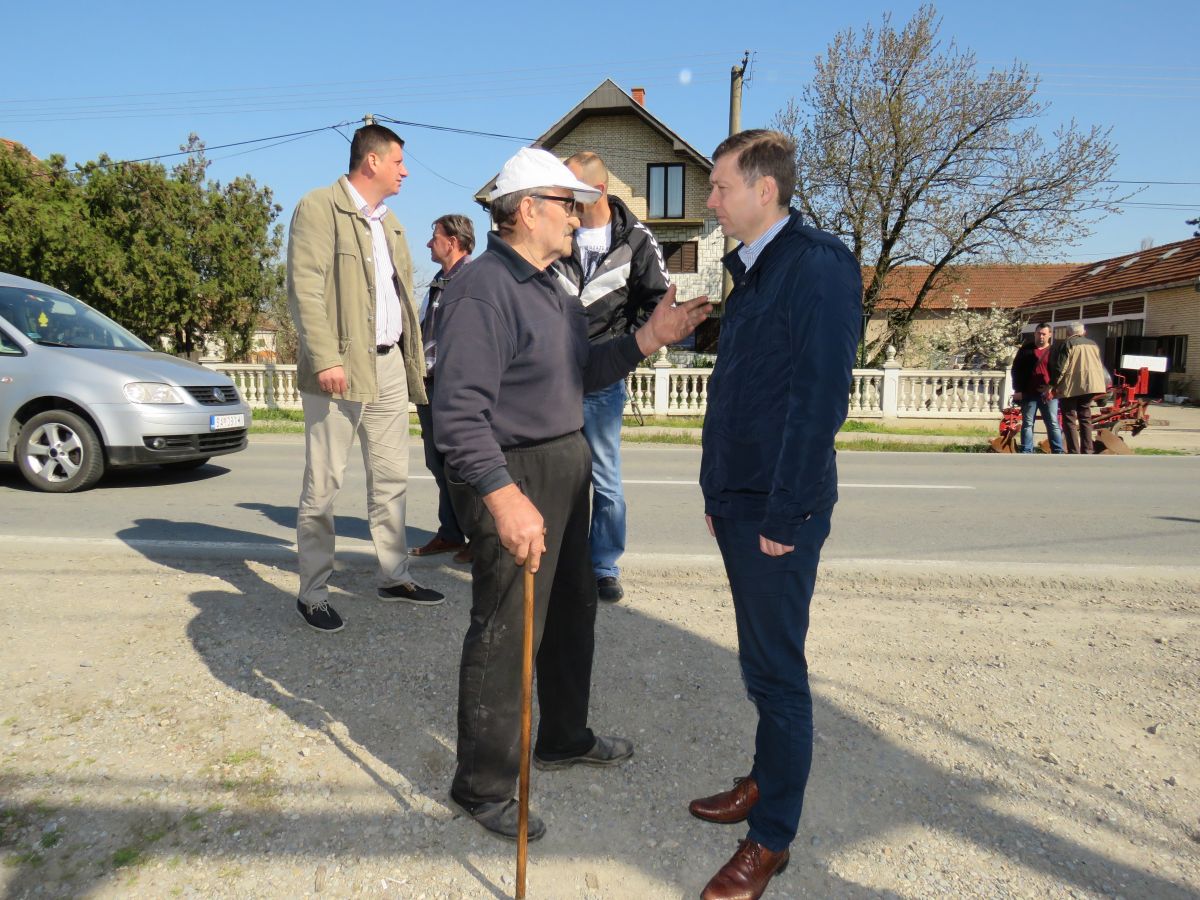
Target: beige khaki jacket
1076 369
331 294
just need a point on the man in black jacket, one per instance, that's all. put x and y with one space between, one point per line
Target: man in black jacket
1031 388
777 397
451 246
616 267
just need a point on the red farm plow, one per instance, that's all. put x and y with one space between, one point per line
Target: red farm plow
1124 409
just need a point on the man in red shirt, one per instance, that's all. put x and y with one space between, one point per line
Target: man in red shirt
1031 388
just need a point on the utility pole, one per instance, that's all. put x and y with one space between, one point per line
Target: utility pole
736 76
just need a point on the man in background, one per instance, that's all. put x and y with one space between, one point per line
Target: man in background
1031 388
616 266
451 246
1078 377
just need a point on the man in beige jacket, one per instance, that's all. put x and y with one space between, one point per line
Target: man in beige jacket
1078 377
349 281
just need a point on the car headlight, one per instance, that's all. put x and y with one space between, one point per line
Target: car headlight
151 392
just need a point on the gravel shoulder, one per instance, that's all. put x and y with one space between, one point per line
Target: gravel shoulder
169 727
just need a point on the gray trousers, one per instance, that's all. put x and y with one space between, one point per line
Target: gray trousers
330 426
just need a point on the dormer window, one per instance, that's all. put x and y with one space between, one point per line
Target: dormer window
664 191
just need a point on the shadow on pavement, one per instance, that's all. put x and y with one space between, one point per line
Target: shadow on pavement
344 526
384 691
119 479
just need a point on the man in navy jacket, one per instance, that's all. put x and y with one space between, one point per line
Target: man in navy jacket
776 399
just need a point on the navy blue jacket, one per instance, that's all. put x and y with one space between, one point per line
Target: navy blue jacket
781 387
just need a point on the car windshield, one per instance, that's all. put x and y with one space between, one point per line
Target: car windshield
58 320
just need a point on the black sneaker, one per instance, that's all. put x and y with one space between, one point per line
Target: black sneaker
501 818
411 592
321 616
609 589
607 751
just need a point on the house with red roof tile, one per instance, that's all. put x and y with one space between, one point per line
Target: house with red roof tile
983 287
1145 303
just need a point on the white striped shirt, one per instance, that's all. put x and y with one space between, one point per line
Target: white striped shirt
748 253
389 318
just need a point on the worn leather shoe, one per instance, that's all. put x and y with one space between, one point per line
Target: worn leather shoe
727 807
501 818
437 545
746 875
464 555
607 751
609 589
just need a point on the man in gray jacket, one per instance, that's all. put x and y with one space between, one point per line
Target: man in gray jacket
349 282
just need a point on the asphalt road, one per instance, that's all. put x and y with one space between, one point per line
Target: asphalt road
1131 510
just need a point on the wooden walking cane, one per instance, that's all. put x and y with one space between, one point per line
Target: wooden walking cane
526 728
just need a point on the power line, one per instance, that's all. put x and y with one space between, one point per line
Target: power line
610 152
277 138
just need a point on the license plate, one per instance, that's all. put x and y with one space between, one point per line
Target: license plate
219 423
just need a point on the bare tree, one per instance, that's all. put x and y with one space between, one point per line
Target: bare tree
911 156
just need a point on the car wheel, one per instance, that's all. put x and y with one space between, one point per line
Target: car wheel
58 451
184 465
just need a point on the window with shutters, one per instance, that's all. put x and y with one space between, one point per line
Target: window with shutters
681 257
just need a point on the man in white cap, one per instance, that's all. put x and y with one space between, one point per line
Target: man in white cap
512 370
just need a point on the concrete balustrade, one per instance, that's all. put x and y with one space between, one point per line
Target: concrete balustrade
663 390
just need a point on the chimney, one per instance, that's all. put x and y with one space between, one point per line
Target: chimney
639 94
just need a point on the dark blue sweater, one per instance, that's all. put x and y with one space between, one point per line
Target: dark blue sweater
513 364
780 390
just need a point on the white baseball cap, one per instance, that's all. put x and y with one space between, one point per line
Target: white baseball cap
533 168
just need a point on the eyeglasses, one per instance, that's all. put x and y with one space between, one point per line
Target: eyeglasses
570 204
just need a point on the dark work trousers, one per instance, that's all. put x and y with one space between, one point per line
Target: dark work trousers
1077 423
771 596
556 477
435 462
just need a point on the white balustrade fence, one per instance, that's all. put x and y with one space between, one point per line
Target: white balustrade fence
269 385
890 392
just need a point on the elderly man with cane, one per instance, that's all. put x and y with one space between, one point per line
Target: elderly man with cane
513 367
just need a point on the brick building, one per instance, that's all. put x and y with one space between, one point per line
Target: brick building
660 177
1145 303
984 286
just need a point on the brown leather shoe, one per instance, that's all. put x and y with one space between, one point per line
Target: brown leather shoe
464 555
729 806
436 546
746 875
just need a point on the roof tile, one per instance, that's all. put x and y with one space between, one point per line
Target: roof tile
1156 267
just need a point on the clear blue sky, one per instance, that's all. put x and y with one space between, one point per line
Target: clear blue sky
133 78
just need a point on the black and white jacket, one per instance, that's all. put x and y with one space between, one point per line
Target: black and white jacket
626 284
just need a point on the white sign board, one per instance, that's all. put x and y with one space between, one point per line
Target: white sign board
1153 363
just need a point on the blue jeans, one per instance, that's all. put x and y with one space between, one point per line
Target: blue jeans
771 596
602 427
1030 407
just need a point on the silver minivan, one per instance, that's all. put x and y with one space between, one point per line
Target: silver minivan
80 394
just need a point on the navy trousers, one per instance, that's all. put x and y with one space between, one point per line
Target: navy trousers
435 462
771 596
